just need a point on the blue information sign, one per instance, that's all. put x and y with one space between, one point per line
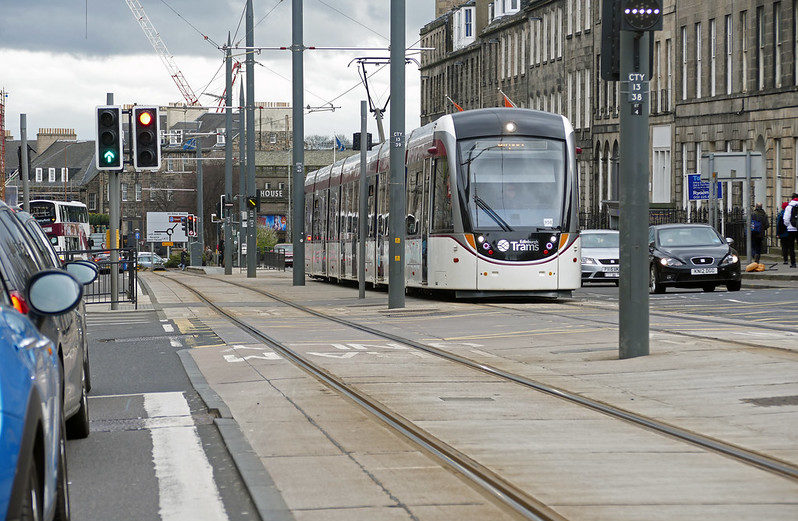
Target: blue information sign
698 190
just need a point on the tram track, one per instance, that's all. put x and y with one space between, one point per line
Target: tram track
740 454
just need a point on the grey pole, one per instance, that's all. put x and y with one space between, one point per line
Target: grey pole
200 202
242 176
747 203
252 247
396 223
115 211
362 202
634 145
228 163
23 168
298 185
713 193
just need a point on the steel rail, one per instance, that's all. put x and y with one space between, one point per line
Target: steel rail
762 461
492 483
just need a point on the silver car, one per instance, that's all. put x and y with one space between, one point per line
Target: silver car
151 261
600 256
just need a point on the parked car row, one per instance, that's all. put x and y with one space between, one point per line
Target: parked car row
680 255
44 368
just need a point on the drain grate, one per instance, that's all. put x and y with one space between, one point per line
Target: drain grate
773 401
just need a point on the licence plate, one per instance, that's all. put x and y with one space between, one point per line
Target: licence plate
611 269
611 275
704 271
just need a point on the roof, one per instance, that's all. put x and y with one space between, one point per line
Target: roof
78 156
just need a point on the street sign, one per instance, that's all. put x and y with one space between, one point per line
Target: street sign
269 196
731 165
166 227
167 244
698 190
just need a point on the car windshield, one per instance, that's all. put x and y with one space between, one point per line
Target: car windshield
514 182
600 240
43 211
688 236
289 248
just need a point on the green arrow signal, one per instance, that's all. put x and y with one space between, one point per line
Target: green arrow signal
109 156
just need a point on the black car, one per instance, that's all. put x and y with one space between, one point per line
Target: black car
691 256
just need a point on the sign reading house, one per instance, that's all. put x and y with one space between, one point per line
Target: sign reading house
270 195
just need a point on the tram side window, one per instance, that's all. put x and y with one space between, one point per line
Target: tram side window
309 205
442 202
371 209
414 197
316 217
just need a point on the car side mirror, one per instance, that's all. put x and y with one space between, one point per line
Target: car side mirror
53 292
84 271
729 240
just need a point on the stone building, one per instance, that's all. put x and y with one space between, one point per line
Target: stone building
723 78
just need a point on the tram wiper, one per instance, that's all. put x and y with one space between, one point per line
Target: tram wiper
492 213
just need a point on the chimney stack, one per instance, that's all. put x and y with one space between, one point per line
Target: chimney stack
48 136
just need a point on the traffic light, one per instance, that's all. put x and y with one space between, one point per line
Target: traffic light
108 145
253 201
611 40
184 225
641 15
356 141
146 139
193 227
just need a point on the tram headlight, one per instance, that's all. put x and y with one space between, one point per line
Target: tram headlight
510 126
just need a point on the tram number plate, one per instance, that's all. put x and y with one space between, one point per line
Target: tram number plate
704 271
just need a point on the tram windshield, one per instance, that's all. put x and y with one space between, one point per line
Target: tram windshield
514 182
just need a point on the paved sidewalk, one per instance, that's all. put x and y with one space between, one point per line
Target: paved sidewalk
587 466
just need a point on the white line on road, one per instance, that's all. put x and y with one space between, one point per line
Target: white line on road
185 478
168 328
175 342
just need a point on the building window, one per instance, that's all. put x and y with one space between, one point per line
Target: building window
698 51
64 175
38 175
578 97
760 47
539 39
220 136
684 62
124 191
92 201
728 54
657 77
569 14
469 24
669 65
545 40
777 43
587 15
578 15
138 191
553 34
176 137
570 87
587 98
559 32
744 51
152 192
795 56
51 175
712 43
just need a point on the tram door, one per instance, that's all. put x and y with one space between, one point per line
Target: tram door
426 213
382 225
370 259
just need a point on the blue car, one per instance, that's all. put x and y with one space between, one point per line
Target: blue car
33 473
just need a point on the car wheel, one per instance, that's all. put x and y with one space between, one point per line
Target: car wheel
31 508
77 427
62 510
654 285
734 285
708 288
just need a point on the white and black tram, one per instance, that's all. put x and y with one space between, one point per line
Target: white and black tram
491 208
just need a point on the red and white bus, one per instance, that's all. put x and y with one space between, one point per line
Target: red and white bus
65 223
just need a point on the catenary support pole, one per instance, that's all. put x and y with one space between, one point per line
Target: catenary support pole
200 202
634 143
115 216
298 196
252 228
23 168
362 202
242 177
396 222
227 211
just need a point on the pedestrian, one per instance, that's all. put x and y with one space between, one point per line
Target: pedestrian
791 222
221 252
183 260
781 231
759 224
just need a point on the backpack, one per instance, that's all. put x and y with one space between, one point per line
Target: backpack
781 228
794 216
756 226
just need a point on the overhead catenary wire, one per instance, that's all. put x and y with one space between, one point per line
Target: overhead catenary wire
354 20
204 36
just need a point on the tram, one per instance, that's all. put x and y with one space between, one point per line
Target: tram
491 208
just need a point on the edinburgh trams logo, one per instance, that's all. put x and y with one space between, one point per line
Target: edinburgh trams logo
503 245
523 245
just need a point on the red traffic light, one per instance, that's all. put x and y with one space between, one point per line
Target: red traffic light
145 118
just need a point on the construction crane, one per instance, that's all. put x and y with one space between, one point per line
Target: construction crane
163 53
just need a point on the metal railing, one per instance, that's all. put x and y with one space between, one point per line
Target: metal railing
272 259
99 291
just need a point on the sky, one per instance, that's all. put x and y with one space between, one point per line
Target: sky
59 58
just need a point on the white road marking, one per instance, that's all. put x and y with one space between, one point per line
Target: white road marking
341 356
168 328
262 356
186 489
175 342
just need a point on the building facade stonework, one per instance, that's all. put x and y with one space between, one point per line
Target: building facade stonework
723 78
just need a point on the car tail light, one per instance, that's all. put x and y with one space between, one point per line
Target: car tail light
18 301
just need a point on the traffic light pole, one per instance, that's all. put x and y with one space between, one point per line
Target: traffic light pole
23 167
252 225
242 177
298 180
396 223
634 174
362 203
200 197
228 163
115 203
